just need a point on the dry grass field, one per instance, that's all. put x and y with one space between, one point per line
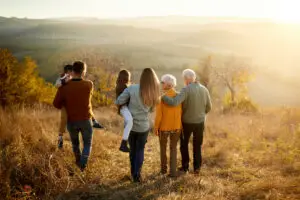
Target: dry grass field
246 157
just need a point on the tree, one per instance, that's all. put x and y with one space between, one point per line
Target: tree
234 73
104 84
104 78
229 73
204 71
20 82
7 63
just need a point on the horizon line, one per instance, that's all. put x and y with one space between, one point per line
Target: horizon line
145 16
224 17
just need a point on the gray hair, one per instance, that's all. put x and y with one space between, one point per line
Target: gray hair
169 79
189 74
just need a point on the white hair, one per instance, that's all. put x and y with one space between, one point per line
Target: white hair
169 79
189 74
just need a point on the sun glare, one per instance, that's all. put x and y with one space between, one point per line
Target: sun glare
287 11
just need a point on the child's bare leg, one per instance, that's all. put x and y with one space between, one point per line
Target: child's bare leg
127 129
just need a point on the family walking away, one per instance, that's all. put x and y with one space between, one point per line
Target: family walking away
178 116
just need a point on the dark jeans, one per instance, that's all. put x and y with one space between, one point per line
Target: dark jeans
137 143
85 127
197 130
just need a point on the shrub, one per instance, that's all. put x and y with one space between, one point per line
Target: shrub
244 105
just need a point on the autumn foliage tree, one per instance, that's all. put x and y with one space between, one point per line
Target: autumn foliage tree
228 75
20 82
104 86
7 62
234 73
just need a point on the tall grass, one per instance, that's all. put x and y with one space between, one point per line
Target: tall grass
253 156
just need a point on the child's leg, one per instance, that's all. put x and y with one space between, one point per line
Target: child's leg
128 122
63 122
62 127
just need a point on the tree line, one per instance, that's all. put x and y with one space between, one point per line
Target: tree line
20 83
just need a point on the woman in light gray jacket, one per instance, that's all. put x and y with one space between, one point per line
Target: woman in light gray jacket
143 98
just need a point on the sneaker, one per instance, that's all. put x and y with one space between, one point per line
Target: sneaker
60 142
197 172
124 147
163 172
96 124
82 169
137 179
81 166
172 175
183 170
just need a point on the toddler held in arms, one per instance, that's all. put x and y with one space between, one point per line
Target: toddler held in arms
123 81
61 81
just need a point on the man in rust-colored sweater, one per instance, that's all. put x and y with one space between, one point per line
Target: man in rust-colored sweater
76 96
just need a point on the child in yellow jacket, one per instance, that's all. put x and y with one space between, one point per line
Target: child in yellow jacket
168 125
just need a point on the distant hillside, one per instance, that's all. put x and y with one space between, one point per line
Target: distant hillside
95 33
14 25
269 44
171 42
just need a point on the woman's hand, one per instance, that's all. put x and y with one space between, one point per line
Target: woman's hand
162 93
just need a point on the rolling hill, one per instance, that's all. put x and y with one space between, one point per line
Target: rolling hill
170 42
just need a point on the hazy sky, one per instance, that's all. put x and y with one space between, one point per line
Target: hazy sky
276 9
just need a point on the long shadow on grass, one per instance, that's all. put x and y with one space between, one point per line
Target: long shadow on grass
154 187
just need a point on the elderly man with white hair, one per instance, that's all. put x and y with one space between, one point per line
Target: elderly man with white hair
196 104
168 125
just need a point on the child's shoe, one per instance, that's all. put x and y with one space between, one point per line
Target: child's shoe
60 142
124 147
96 124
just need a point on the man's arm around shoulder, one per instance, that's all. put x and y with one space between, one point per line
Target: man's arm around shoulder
175 101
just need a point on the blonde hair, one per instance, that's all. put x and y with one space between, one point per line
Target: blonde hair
149 87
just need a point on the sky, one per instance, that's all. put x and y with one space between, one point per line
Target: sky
281 10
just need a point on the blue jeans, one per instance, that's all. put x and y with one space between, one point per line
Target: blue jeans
137 143
86 129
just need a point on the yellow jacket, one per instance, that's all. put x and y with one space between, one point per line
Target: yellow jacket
168 118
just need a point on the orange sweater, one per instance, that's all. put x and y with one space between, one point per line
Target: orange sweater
168 118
